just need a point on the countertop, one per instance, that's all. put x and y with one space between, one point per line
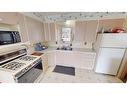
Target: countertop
81 50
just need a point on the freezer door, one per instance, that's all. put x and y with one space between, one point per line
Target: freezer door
109 60
114 40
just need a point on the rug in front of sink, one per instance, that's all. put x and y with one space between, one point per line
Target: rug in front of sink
64 70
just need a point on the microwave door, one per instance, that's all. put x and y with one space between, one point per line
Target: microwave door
6 37
14 37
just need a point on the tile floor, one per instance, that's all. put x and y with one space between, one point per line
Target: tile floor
81 76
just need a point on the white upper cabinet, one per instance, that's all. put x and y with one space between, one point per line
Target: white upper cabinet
35 30
91 30
23 28
50 31
9 18
80 29
46 32
85 31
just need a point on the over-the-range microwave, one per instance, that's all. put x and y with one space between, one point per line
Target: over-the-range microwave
9 37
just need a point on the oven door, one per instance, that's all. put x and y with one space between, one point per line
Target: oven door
6 37
31 75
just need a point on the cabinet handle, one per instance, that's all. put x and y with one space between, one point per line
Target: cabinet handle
72 36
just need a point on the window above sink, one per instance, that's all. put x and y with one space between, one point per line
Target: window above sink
66 34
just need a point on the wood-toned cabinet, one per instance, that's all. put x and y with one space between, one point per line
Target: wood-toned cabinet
9 18
35 30
50 31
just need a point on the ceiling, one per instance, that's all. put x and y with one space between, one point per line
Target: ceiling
63 16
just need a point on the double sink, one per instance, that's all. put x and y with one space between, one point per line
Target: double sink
64 48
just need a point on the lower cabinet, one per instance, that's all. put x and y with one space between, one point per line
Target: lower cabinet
84 60
51 58
65 58
45 62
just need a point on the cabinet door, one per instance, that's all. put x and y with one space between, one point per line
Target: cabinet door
22 28
122 74
47 32
51 58
45 62
65 58
84 60
35 30
52 31
60 58
111 23
91 30
80 31
117 40
109 60
9 18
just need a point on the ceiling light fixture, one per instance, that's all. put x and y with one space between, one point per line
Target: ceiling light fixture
68 22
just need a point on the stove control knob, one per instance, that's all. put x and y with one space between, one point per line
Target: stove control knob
26 68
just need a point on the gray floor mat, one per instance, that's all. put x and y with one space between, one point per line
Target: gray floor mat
64 70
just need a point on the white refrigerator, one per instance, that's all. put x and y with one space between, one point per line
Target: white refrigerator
110 51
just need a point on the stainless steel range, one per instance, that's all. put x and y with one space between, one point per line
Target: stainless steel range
19 67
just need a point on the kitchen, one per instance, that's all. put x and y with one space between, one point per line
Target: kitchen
65 47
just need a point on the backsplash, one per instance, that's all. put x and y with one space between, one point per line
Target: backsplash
74 44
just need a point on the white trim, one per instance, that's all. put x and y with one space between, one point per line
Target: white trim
49 32
97 30
26 28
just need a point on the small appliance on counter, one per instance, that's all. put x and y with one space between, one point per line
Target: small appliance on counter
40 47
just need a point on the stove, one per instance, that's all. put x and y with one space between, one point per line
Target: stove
19 67
13 65
19 63
27 58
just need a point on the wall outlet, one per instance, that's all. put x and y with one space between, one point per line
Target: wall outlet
85 43
56 42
